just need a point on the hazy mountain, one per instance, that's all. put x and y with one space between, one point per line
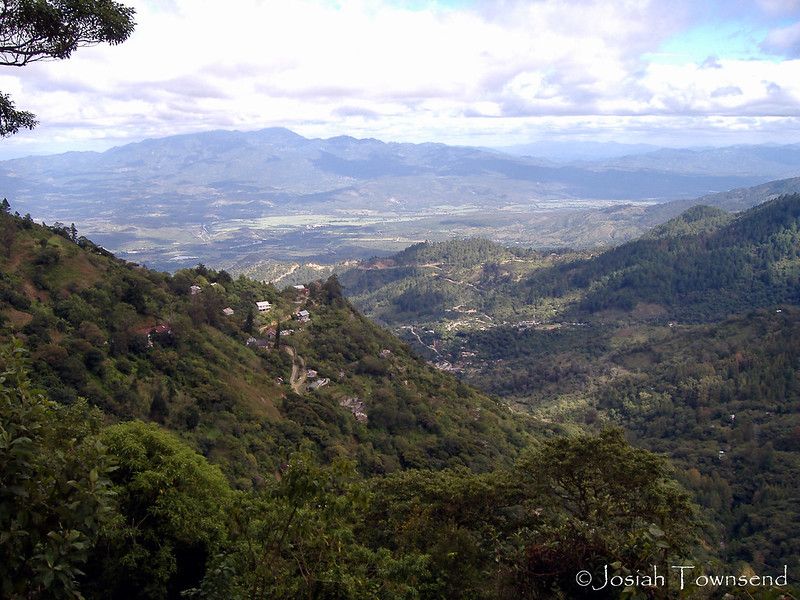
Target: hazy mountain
772 160
231 174
574 151
223 196
733 201
622 223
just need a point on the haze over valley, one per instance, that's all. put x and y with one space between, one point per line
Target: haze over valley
228 197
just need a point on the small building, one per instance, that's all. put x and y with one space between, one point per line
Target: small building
299 288
304 316
228 312
311 373
356 406
318 383
263 306
195 289
257 342
386 353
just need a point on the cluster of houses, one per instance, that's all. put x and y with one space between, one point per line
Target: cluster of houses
316 383
356 406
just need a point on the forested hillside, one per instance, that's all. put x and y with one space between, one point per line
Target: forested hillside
686 338
725 267
141 344
162 439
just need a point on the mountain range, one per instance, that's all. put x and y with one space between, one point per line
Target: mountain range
170 202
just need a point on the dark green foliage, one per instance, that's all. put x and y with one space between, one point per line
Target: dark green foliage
12 119
569 504
751 262
604 502
299 538
172 507
55 491
725 402
164 523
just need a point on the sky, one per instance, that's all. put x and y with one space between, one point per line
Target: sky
470 72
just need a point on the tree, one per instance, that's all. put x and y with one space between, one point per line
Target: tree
35 30
333 289
599 501
55 491
173 507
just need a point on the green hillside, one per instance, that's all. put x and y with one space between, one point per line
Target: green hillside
667 336
750 262
139 344
328 462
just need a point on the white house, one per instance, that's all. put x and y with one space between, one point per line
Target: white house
195 289
227 311
263 306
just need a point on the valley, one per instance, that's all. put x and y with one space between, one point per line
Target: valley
685 339
419 300
229 196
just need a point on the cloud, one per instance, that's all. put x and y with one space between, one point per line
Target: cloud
784 41
375 68
355 111
730 90
780 7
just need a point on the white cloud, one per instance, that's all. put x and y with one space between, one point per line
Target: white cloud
784 40
780 7
367 67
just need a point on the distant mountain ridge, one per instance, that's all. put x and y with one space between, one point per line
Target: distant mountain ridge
221 195
775 160
276 166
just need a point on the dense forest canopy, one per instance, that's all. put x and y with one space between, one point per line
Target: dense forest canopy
200 430
167 477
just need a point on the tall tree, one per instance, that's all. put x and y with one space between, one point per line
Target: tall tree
34 30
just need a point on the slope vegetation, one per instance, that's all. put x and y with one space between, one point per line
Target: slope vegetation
141 344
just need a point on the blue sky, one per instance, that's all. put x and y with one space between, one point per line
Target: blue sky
488 73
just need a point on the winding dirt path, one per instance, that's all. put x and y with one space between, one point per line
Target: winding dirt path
299 375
